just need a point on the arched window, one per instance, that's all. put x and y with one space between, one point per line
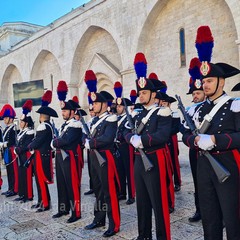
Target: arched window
182 47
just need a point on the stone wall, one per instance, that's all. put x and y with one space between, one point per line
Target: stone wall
105 35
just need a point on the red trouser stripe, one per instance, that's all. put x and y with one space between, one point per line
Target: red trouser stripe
236 155
164 197
176 159
131 159
42 180
112 172
169 170
15 170
75 184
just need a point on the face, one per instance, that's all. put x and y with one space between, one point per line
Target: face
210 84
66 114
198 96
120 109
23 124
165 104
6 120
91 112
99 107
77 117
144 97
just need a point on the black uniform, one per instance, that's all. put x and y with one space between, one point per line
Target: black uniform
126 160
151 186
9 138
43 169
219 202
25 174
67 168
104 177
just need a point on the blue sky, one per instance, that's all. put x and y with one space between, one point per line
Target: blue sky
41 12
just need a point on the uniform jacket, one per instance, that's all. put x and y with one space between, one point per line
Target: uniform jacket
157 130
23 139
225 125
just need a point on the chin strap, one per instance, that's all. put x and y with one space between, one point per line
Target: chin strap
216 88
150 97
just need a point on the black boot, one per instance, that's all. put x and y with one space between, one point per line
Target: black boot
196 217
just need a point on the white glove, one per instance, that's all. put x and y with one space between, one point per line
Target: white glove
205 142
87 146
5 144
1 144
136 141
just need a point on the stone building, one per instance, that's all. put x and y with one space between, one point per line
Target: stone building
104 35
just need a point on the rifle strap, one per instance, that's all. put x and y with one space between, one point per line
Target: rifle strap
122 119
5 134
208 117
145 120
94 126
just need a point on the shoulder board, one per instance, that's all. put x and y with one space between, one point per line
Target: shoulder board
112 118
134 113
74 124
175 114
235 106
41 127
191 109
164 111
30 132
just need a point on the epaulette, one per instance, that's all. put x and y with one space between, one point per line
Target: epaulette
235 106
74 124
30 132
191 109
175 114
41 127
134 113
164 111
112 118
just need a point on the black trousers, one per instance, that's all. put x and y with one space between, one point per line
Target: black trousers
127 158
220 201
68 186
89 170
104 187
25 181
173 147
193 155
151 192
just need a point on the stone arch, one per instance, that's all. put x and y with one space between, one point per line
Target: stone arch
11 75
159 39
46 67
97 50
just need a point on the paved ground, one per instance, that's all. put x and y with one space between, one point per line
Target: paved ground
19 221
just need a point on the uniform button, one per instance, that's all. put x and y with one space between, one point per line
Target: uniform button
225 107
223 113
219 131
220 125
227 102
221 119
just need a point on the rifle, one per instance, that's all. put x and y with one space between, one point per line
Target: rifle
29 160
56 133
146 162
221 172
100 159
